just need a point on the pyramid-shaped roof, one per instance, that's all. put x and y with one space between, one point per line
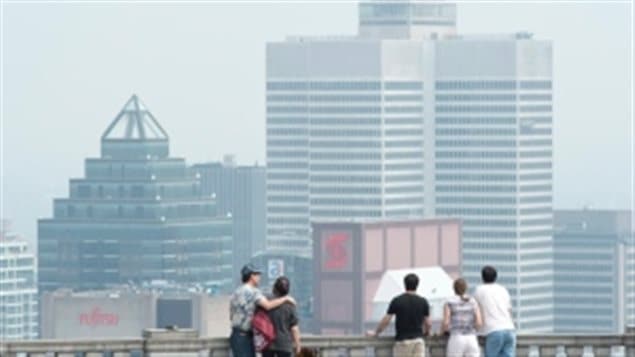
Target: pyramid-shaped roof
134 122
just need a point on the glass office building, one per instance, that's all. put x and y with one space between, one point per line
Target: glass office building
137 215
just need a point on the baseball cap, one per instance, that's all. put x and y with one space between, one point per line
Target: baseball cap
248 270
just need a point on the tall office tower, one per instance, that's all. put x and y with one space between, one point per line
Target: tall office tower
240 193
407 119
18 288
138 215
590 270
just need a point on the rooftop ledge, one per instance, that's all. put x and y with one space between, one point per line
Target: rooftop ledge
184 342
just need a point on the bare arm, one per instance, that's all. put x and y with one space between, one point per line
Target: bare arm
385 321
478 319
427 325
272 304
295 332
445 326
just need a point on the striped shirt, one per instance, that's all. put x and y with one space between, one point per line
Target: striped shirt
462 315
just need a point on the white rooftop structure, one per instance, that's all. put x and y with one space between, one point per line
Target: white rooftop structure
434 284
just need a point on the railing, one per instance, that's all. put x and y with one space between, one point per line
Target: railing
183 343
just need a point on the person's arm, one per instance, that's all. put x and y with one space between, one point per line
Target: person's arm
445 326
427 325
267 304
478 319
385 321
295 332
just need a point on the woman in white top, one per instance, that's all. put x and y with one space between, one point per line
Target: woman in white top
461 318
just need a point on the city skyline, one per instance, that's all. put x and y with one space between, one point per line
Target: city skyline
573 184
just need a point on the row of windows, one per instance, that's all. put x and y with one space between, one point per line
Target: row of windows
287 142
404 109
536 120
476 154
287 176
476 211
510 247
404 155
330 110
404 121
536 222
287 187
403 143
476 120
345 178
477 200
535 165
324 98
345 121
471 85
535 108
346 155
361 85
347 201
287 121
346 190
475 166
345 132
402 178
281 198
541 176
345 144
402 98
345 168
404 132
540 233
535 188
287 154
534 154
292 210
476 143
345 213
287 165
404 167
479 131
542 142
404 200
534 131
475 97
535 97
404 189
476 177
476 188
476 108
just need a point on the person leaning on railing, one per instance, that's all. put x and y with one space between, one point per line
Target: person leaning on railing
461 319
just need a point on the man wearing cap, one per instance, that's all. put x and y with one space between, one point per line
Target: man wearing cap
242 306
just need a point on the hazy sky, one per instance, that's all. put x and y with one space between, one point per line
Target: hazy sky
199 67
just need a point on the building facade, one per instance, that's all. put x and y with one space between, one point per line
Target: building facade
410 119
137 215
18 288
298 269
125 311
240 193
351 258
591 270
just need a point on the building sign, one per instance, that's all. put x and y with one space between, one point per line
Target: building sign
275 268
336 251
96 317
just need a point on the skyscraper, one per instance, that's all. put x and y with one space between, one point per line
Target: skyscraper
136 216
590 270
240 193
408 119
18 288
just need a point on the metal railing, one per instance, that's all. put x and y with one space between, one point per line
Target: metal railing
183 343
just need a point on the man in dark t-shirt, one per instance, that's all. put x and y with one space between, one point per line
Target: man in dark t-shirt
413 320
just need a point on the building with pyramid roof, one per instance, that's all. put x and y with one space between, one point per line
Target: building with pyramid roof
136 215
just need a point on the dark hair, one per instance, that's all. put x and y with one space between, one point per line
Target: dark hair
460 287
411 281
246 278
281 286
488 274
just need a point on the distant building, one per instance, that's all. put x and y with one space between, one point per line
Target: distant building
409 119
240 193
127 310
592 279
18 288
299 270
136 216
350 259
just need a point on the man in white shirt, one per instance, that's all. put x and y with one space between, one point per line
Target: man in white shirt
496 311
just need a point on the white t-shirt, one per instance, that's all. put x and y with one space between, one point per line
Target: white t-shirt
495 306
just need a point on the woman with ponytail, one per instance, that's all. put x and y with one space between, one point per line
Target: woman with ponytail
461 319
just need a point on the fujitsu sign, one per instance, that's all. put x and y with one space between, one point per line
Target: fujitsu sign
98 318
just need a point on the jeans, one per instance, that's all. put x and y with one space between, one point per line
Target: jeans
242 343
500 344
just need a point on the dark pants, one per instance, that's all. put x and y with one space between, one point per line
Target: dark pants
242 343
276 354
